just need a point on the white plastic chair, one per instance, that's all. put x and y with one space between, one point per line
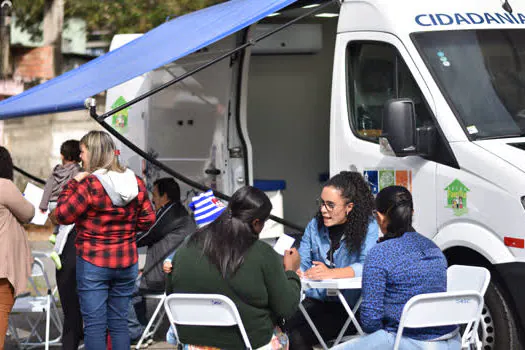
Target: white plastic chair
155 321
41 305
463 277
203 310
442 309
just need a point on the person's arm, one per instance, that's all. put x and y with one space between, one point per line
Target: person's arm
73 202
48 188
284 287
373 292
146 216
320 271
13 200
305 248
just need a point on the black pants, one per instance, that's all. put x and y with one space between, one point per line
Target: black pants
73 330
329 317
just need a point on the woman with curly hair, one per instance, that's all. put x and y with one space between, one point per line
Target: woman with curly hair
334 245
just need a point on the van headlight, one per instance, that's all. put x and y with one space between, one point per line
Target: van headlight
523 201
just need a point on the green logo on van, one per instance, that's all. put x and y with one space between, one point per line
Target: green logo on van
120 119
457 197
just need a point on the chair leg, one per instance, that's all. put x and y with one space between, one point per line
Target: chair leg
150 323
159 320
48 320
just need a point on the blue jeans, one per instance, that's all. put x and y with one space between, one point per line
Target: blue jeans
381 340
104 295
137 313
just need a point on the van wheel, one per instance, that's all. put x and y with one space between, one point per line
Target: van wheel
497 328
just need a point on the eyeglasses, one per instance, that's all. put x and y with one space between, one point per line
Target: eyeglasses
330 206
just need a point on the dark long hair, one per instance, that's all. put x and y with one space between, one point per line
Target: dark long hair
395 202
226 240
354 189
6 164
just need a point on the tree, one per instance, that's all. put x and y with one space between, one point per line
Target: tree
5 38
53 25
115 16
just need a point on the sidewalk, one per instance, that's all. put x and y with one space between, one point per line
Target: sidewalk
38 242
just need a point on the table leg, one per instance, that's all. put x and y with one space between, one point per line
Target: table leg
350 312
312 325
347 323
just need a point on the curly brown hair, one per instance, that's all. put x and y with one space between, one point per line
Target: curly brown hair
354 189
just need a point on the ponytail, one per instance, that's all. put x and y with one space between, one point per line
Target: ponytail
226 240
395 202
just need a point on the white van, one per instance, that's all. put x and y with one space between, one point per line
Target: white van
443 80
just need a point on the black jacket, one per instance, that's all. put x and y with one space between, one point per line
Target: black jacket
173 224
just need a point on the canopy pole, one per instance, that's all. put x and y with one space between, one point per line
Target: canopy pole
249 43
28 175
91 105
172 172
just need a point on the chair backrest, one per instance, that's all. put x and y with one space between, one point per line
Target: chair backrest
204 310
441 309
462 277
38 270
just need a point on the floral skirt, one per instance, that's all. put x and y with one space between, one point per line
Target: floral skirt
279 341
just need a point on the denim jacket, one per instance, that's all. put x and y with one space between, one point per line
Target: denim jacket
315 245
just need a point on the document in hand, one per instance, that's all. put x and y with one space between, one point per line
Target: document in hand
284 243
34 195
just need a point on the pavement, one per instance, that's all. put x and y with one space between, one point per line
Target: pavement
40 247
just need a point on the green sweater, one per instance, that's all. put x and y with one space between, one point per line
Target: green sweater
263 293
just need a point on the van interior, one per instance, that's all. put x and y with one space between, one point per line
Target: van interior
288 113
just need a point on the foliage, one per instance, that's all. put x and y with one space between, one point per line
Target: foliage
114 16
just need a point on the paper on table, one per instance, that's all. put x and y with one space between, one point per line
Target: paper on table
34 195
284 243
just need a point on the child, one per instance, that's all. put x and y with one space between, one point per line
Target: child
62 173
206 208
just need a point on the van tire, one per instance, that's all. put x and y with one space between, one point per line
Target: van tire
498 329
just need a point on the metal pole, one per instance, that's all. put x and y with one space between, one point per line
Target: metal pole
175 174
26 174
250 42
90 104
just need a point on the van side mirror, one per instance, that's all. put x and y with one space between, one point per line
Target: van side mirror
399 128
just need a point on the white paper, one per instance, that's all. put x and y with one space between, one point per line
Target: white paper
34 195
284 243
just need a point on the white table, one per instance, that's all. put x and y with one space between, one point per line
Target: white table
334 285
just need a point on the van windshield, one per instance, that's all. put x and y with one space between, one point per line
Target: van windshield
482 74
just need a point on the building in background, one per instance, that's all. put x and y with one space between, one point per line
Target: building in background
34 142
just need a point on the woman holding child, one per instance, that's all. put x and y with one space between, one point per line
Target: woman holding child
108 204
334 245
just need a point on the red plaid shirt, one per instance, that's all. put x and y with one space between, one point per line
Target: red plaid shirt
105 232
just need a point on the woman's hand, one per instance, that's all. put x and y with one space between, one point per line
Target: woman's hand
52 217
319 271
299 273
167 267
81 176
291 260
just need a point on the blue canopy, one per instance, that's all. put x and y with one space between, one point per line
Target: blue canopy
160 46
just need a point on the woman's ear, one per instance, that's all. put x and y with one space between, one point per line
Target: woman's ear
349 207
257 225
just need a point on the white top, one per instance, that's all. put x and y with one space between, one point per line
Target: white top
340 283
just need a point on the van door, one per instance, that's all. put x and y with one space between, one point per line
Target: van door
187 123
371 68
